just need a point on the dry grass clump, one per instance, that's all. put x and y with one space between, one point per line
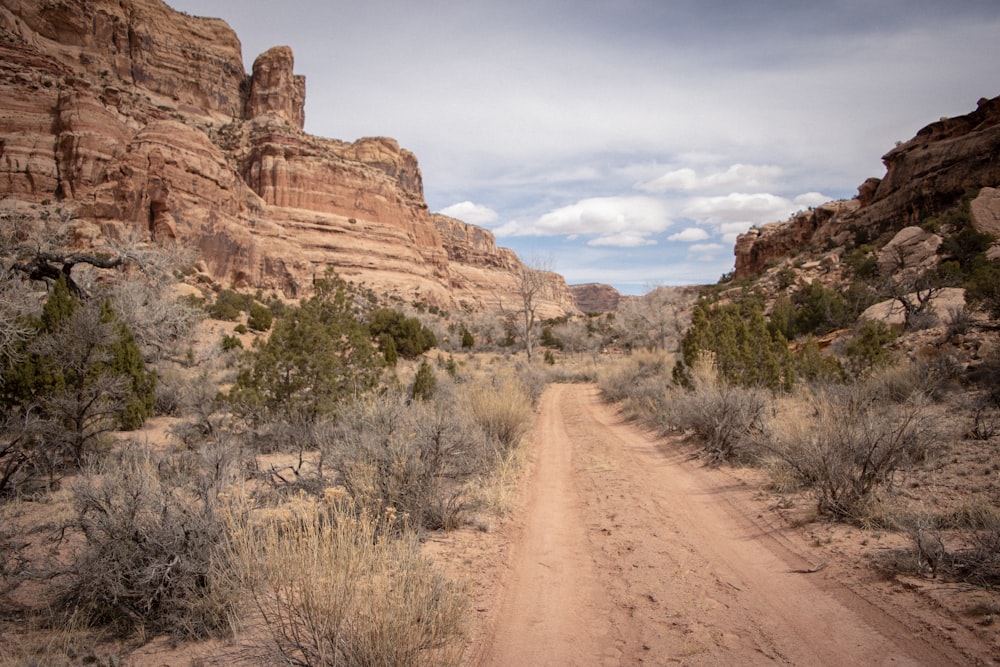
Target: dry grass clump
640 382
726 417
335 584
503 408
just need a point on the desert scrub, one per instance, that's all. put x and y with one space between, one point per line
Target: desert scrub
336 584
150 538
641 383
847 444
724 416
417 457
502 407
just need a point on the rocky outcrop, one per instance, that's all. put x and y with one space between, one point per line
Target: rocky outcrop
940 305
757 247
483 276
275 88
985 211
912 250
596 297
138 116
924 177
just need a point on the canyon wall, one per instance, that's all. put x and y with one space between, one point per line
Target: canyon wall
924 176
142 118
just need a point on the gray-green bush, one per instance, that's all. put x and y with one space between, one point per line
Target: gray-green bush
416 457
851 447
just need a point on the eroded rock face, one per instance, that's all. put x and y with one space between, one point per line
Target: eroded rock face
985 211
912 250
757 247
596 298
139 116
274 87
924 177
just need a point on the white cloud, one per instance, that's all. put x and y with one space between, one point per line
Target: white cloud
741 207
739 177
689 235
615 221
678 179
474 214
808 199
730 230
622 240
707 248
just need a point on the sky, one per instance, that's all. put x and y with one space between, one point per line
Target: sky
630 141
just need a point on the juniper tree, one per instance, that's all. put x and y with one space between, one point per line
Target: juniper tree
317 355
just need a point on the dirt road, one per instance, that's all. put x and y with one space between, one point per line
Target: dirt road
632 553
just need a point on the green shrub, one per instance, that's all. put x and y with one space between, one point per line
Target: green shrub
410 337
424 384
819 309
468 341
983 288
231 343
813 366
126 361
317 355
260 318
866 350
228 305
746 351
80 373
389 353
862 262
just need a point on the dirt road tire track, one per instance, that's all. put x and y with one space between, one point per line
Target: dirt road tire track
632 553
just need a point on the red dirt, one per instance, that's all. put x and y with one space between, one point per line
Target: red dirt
633 552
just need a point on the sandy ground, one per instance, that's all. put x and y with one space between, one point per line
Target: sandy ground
629 551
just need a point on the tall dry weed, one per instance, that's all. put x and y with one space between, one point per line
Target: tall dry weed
727 418
335 584
502 408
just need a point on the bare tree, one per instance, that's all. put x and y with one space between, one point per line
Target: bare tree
158 321
41 246
658 319
532 284
15 301
911 286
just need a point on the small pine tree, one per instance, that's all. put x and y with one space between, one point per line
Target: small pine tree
59 306
425 383
260 318
389 351
467 340
126 360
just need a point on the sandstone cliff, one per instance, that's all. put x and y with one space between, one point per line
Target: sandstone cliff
924 177
138 116
596 297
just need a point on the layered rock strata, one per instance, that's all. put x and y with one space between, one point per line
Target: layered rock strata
141 117
924 176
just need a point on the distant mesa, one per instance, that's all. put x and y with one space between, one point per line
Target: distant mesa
596 297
